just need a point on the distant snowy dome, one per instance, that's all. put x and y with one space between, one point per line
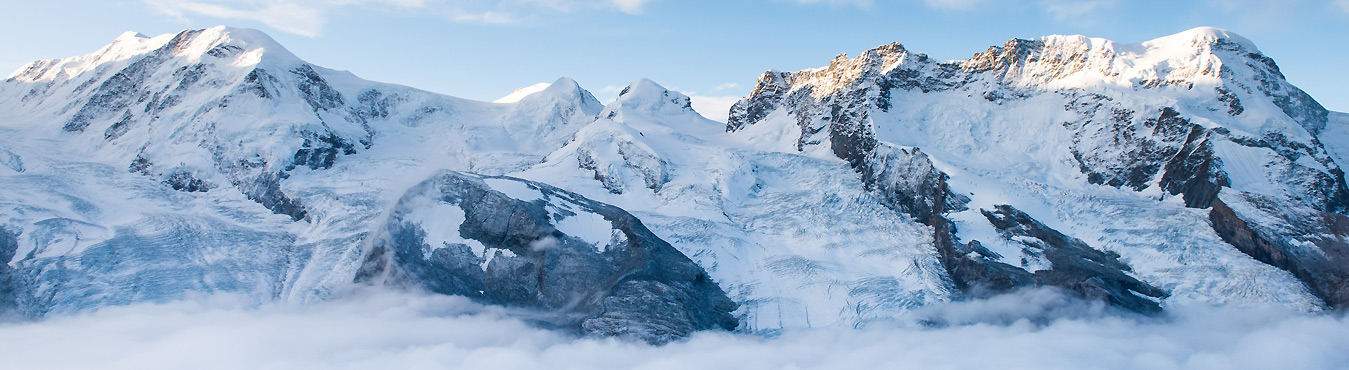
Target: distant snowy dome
1204 36
648 96
522 92
128 35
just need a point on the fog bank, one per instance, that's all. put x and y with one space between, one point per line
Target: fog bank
390 330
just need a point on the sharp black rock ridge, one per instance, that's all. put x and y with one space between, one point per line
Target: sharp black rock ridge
1169 172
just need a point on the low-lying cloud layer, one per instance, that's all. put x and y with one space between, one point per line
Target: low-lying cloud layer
405 331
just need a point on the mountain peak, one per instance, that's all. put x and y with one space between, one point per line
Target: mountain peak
642 87
650 97
563 86
131 35
1204 37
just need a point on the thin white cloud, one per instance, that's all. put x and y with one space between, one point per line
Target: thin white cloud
858 3
1076 10
728 85
1063 10
955 4
486 17
309 17
938 4
1241 5
1250 15
607 94
1343 5
716 108
287 17
630 6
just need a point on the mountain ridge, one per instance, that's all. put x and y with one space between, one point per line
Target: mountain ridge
846 195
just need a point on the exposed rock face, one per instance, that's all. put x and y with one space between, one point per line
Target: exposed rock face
130 86
1194 171
9 281
515 250
1309 243
1115 147
975 270
1076 266
906 180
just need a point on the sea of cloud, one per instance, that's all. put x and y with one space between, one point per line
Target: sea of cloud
1038 329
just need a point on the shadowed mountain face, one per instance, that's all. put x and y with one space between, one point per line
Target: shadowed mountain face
585 264
1170 172
1311 244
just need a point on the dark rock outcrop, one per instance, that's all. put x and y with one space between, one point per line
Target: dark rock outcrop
1076 266
1112 149
1115 148
977 274
266 190
185 180
315 90
320 151
1311 244
1195 171
635 286
9 282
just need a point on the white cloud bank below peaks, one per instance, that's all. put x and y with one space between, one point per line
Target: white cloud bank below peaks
1035 329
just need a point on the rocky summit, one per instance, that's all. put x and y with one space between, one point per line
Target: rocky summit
1181 170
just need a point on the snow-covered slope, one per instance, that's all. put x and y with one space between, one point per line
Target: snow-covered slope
796 240
213 161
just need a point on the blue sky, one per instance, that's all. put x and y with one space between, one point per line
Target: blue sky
483 49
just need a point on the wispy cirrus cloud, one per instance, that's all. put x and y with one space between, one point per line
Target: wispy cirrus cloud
857 3
630 6
725 86
287 17
716 108
310 17
1059 9
939 4
956 4
1075 9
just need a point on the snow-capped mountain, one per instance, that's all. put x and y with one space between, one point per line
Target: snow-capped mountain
1054 126
213 161
1178 171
